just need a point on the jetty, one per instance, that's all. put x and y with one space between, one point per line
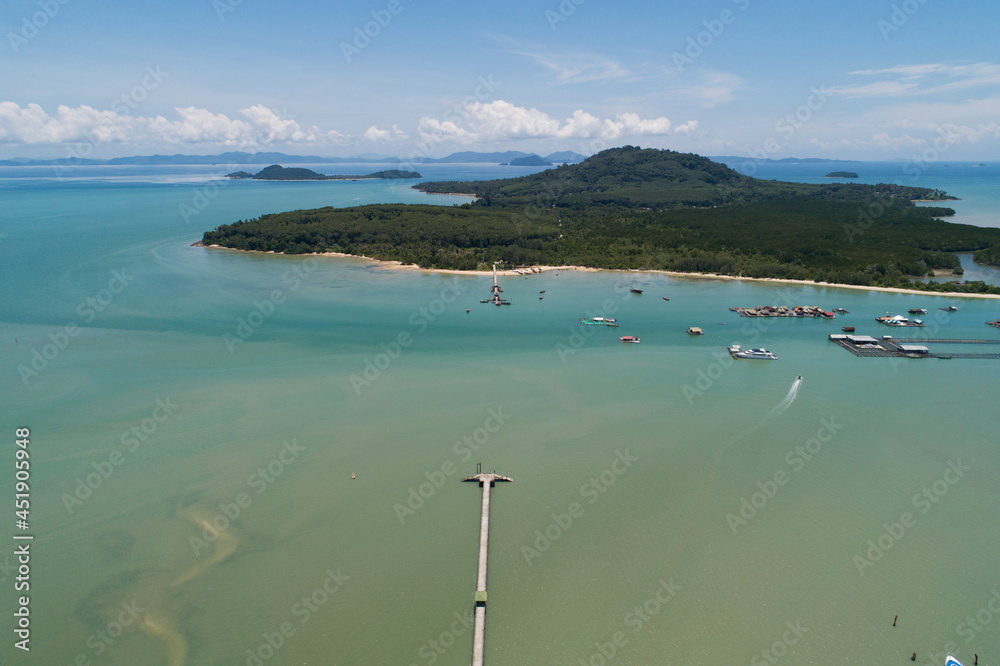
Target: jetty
497 299
486 481
887 347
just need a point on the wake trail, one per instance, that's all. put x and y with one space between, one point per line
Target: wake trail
787 402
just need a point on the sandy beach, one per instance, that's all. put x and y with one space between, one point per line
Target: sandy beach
528 270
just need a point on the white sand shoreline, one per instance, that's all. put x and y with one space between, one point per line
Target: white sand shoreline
396 265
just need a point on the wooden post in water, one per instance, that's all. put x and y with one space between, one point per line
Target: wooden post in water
486 481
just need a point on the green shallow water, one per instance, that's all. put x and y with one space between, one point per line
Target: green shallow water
571 406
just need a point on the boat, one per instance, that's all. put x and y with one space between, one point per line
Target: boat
629 338
352 476
665 298
951 661
694 330
635 291
799 378
848 329
598 321
950 308
757 354
542 291
917 311
841 311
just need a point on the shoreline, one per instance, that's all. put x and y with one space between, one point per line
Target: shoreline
396 265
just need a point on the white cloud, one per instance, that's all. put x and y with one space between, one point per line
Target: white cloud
709 89
501 120
925 79
578 67
377 135
32 125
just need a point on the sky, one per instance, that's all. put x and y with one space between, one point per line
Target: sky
854 79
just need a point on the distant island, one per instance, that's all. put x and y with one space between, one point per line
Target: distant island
841 174
645 209
240 157
278 172
530 160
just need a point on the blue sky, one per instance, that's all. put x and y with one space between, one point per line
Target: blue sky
855 79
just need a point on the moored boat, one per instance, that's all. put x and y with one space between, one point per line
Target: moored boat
598 321
635 291
694 330
755 354
848 329
917 311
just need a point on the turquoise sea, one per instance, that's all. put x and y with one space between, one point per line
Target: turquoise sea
669 505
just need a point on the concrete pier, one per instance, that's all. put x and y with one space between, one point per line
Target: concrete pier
486 481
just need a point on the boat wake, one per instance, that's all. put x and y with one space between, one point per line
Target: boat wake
787 402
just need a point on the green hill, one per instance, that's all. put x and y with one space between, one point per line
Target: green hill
658 179
646 209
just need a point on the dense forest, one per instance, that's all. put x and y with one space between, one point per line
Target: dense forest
658 179
769 229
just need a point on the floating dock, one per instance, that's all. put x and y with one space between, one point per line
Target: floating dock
486 481
867 346
785 311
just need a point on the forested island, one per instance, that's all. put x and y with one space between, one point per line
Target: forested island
842 174
632 208
278 172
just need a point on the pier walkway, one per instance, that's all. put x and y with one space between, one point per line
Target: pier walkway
891 348
486 481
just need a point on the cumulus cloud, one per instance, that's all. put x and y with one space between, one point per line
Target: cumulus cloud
377 135
33 125
501 120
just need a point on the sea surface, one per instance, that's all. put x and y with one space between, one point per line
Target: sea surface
256 459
